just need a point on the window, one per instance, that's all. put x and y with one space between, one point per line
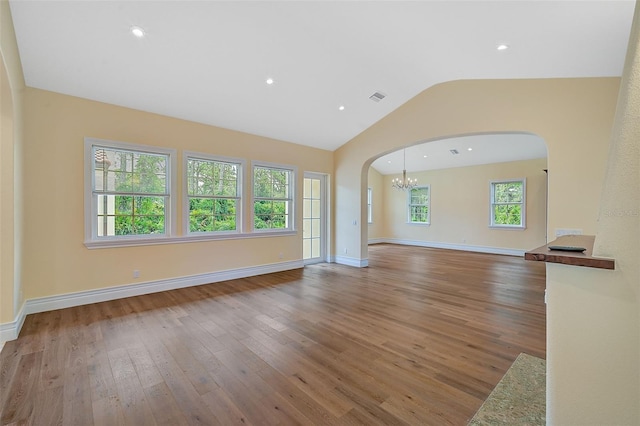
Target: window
213 194
272 198
128 191
508 203
419 199
369 211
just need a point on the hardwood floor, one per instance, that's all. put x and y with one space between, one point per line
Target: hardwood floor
419 337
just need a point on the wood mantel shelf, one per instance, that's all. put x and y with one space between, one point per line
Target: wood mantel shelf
543 254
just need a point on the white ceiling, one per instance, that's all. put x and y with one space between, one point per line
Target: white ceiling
485 149
207 61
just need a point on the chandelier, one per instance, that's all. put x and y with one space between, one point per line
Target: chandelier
404 183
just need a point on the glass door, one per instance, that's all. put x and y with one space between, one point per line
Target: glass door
313 219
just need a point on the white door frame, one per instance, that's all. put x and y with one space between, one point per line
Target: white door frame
323 218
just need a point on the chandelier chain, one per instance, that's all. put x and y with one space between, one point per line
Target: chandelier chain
405 183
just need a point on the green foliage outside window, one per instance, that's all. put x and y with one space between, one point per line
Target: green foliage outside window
139 215
419 205
132 192
270 214
271 189
213 192
508 199
212 215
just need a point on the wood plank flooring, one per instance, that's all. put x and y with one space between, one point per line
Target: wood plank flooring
419 337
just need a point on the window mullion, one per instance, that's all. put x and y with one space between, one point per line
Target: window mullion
113 170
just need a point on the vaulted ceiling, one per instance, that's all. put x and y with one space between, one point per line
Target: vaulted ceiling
208 61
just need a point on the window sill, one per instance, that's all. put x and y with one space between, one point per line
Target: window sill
193 238
508 228
419 223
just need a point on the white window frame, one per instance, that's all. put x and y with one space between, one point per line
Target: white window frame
241 163
291 198
369 205
90 196
428 205
523 204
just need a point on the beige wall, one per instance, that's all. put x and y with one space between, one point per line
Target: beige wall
11 89
460 207
58 261
573 116
375 182
593 316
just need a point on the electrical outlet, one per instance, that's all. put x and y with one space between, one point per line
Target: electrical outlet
136 273
280 256
345 250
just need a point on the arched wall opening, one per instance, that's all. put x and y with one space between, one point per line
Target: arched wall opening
455 177
573 116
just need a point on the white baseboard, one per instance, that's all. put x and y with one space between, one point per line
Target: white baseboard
449 246
352 261
10 331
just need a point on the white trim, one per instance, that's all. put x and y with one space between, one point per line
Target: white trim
192 238
10 331
428 205
509 227
324 214
62 301
90 237
523 208
351 261
292 195
314 261
369 205
449 246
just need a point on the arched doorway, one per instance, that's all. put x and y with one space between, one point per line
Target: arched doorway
479 192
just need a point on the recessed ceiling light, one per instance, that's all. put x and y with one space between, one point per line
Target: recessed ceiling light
269 81
341 107
469 149
137 31
424 156
502 47
389 161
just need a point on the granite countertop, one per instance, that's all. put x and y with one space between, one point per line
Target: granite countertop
519 398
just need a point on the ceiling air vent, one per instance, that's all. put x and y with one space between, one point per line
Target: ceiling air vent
377 97
454 151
